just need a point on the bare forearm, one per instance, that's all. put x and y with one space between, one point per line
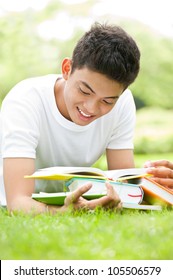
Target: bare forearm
28 205
119 159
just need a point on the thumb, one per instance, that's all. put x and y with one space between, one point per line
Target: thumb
74 196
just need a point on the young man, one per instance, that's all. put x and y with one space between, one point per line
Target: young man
72 119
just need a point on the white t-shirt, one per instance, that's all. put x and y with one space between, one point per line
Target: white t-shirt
33 127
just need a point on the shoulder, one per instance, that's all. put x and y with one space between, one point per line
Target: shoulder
126 97
30 91
125 104
30 85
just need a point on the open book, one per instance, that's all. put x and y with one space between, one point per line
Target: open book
131 195
156 193
66 173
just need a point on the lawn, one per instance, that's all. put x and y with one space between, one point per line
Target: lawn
99 235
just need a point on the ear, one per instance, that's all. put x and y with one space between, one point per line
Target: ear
66 67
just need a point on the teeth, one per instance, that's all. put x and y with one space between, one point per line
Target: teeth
83 114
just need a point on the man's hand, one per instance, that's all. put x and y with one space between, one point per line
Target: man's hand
109 201
162 171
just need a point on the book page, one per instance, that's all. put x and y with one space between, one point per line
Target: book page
136 172
55 172
66 173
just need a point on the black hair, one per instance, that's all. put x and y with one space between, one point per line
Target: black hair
109 50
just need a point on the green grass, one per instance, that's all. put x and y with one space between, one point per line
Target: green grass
101 235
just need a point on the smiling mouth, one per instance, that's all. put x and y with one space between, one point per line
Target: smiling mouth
84 114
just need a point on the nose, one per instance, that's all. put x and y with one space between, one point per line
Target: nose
91 106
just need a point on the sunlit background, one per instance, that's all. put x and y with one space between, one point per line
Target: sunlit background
155 13
35 35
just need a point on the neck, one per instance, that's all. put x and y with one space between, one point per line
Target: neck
59 97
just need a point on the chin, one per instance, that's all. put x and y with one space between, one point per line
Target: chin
82 123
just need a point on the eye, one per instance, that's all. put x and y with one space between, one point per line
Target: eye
109 102
83 92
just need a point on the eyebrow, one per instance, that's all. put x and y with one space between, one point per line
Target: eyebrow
87 85
109 97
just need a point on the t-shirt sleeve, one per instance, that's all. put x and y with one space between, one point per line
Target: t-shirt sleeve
124 125
19 124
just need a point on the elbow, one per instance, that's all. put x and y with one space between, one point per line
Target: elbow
18 204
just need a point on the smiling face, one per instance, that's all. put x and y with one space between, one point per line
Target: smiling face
86 95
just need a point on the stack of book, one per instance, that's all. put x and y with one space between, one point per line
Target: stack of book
135 187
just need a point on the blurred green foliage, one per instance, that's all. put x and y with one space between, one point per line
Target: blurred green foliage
154 131
154 86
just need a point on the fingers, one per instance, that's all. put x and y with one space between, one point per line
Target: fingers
111 200
112 195
161 172
75 195
159 163
163 162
